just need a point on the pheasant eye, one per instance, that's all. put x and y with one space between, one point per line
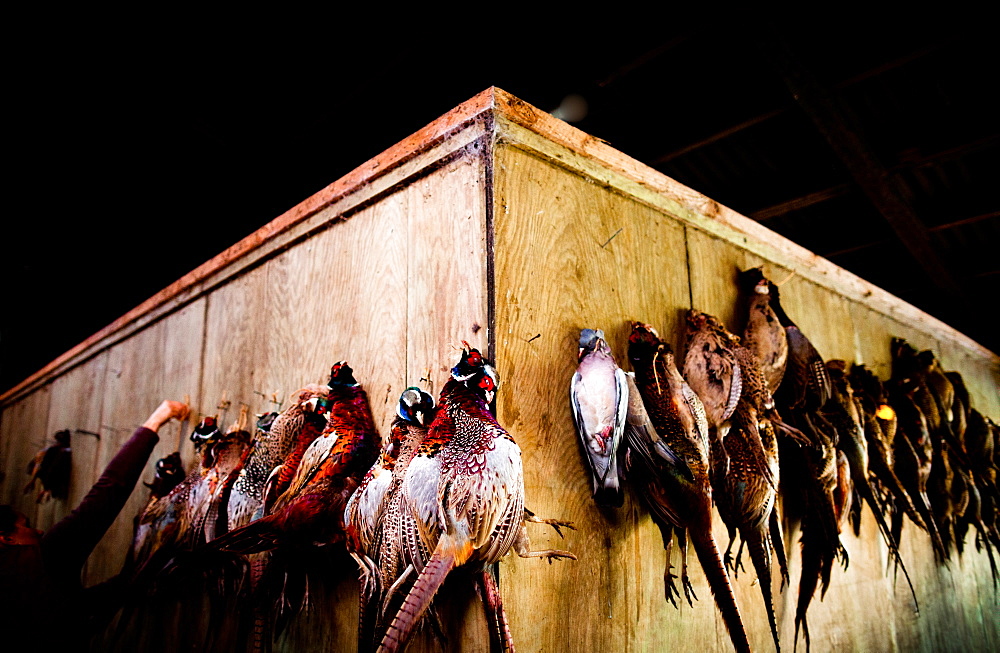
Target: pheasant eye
486 383
475 358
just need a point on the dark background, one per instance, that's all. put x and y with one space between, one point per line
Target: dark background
138 147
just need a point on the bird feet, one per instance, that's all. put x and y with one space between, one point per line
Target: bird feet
669 586
784 578
688 588
548 554
842 554
793 434
557 524
728 561
737 566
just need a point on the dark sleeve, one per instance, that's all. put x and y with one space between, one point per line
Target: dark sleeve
66 546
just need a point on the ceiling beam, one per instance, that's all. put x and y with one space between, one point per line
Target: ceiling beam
718 136
935 229
799 203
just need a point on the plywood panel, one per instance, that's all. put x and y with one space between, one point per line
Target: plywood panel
554 277
580 236
395 283
446 283
823 316
715 265
875 332
343 307
76 404
23 432
159 362
235 345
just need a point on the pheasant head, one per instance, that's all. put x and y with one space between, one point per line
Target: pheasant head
475 373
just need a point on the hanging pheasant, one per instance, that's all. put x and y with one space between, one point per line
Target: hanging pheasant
745 470
51 468
311 511
805 389
764 336
462 497
272 454
371 519
672 465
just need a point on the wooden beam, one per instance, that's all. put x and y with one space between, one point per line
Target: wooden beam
799 203
641 60
906 163
965 221
958 151
934 229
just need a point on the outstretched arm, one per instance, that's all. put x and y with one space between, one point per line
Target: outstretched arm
67 545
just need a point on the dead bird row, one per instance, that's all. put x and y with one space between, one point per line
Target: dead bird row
738 421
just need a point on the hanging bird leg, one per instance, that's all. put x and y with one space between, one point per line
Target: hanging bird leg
557 524
727 557
523 548
685 579
669 586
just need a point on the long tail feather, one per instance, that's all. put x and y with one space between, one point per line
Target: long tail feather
447 555
760 555
718 580
863 488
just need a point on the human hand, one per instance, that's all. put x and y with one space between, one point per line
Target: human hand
165 412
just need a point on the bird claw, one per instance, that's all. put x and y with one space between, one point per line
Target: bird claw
670 587
794 434
557 524
688 590
844 558
734 567
548 554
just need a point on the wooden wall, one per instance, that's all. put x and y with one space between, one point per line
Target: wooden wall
556 273
393 290
503 227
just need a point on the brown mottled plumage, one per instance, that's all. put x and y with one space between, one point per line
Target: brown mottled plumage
711 369
672 463
462 497
271 455
805 389
764 336
880 429
311 511
372 517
